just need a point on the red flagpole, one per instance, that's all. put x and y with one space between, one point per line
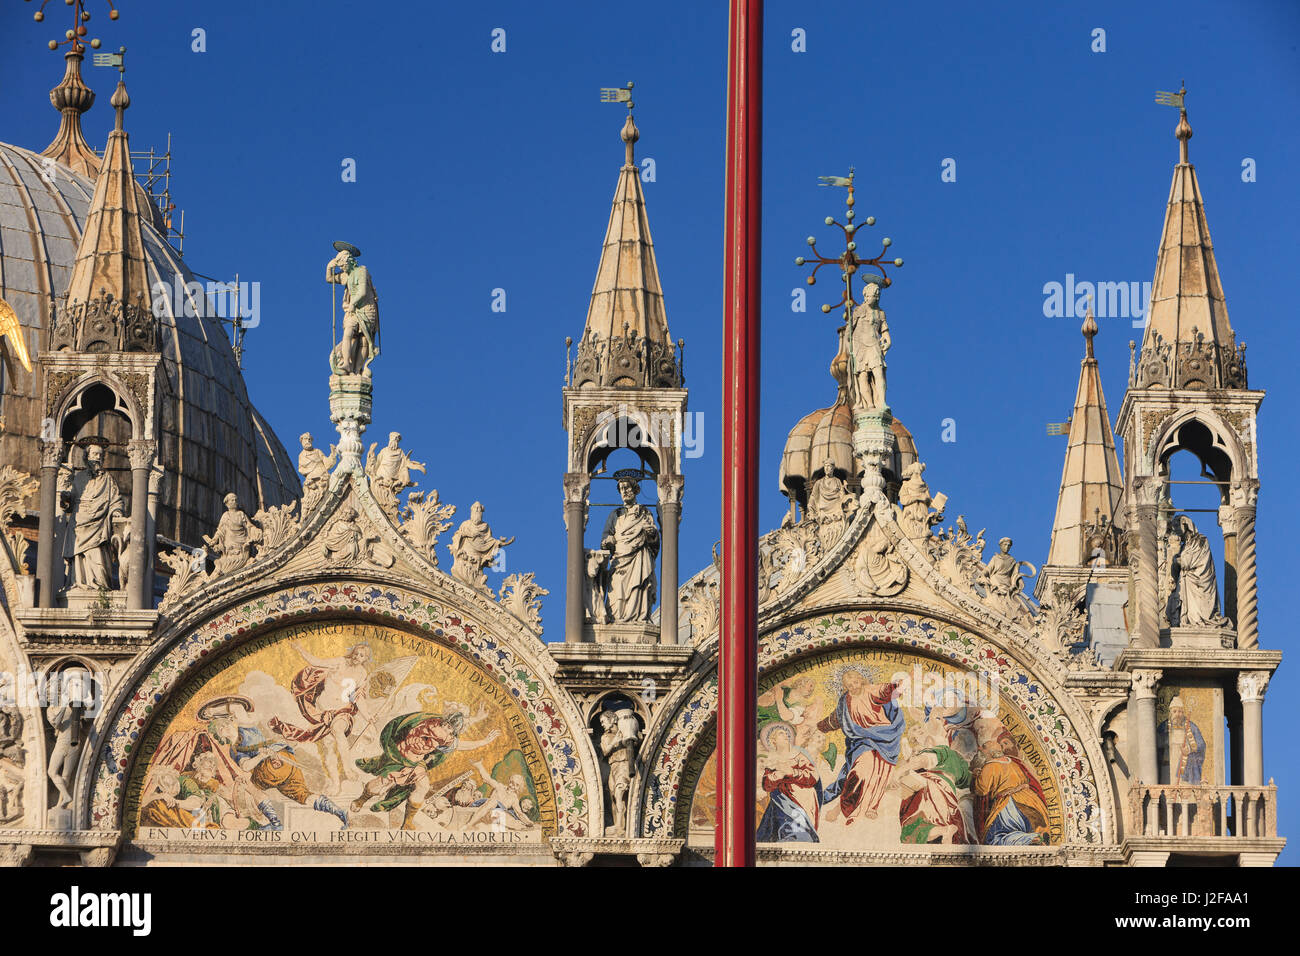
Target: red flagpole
738 653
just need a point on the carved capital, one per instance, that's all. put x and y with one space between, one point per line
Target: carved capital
576 857
1145 683
1146 491
576 487
157 474
52 453
16 854
670 489
1252 685
1244 493
656 859
142 453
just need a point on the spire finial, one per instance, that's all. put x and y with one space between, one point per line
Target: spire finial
630 134
121 99
72 97
1089 328
1184 129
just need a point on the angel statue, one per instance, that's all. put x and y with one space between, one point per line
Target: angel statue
360 344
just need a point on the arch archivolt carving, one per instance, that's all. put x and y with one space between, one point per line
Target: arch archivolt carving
687 721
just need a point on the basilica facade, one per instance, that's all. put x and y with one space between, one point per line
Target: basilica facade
215 653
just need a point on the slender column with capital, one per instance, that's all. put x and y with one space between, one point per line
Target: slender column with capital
46 560
1251 686
1148 572
1144 699
1228 525
1244 496
142 453
670 516
157 475
575 520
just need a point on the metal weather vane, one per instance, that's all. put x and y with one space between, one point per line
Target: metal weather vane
80 17
849 261
1166 98
618 94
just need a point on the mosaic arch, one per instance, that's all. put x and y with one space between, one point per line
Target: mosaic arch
881 730
327 704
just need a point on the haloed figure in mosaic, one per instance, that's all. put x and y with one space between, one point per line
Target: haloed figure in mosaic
326 691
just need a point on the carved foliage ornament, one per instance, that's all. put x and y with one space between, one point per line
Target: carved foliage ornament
15 488
521 595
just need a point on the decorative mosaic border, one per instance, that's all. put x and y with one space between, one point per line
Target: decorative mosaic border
698 709
552 719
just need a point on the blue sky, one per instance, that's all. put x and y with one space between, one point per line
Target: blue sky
479 171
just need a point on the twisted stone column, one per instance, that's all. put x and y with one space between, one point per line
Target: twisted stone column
576 486
1244 495
1143 513
1251 686
670 516
46 561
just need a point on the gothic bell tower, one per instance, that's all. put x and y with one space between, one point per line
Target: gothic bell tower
624 411
1194 651
103 378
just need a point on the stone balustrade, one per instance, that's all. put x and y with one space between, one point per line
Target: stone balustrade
1181 811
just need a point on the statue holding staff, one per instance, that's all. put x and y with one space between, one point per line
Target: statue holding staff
360 343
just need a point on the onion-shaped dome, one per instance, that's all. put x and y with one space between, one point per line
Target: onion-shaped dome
212 439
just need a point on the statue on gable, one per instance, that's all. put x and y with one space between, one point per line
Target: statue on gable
869 342
1005 578
91 502
473 548
1197 603
830 505
232 542
389 472
632 538
360 343
915 517
314 466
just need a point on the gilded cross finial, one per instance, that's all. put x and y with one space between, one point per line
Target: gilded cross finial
80 17
849 261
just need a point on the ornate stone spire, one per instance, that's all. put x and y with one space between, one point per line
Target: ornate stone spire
1091 482
1189 342
626 342
108 306
71 98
